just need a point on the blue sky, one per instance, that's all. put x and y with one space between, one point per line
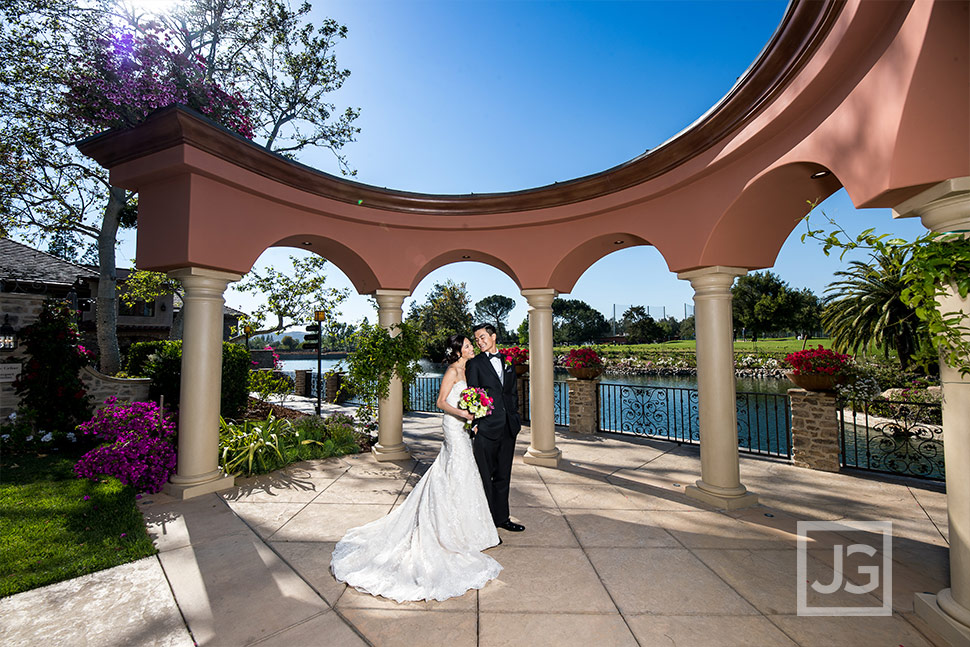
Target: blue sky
474 96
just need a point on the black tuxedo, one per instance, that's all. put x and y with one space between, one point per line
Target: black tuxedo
494 444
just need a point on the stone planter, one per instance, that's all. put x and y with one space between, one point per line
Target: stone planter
585 373
814 382
521 369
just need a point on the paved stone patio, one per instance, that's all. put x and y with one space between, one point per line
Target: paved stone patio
614 554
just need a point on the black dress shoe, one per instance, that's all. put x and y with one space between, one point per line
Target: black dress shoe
511 526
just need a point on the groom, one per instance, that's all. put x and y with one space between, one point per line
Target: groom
494 444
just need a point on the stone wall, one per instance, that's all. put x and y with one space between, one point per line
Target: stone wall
583 405
100 387
23 310
19 310
814 430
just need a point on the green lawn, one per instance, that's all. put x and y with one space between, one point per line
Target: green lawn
54 526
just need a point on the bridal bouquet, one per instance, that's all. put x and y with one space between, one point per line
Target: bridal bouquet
475 401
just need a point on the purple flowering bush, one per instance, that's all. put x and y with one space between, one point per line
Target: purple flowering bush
138 449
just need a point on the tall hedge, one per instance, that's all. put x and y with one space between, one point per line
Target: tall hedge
162 362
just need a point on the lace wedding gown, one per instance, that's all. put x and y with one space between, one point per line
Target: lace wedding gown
429 547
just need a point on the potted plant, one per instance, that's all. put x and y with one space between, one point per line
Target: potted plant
517 357
817 369
584 363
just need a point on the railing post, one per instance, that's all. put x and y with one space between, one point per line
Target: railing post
814 430
583 405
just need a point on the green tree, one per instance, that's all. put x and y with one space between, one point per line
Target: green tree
576 322
864 310
807 318
289 343
291 297
49 49
762 303
640 327
670 328
523 332
339 335
495 310
444 313
686 330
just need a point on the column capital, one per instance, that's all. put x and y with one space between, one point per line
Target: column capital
540 297
713 273
943 208
391 298
190 273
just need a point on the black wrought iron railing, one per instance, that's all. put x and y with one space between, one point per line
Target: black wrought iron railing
669 413
424 397
893 437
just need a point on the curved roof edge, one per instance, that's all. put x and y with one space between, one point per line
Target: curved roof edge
802 29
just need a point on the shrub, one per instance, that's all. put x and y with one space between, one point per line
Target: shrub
260 446
162 362
139 449
267 383
515 355
51 374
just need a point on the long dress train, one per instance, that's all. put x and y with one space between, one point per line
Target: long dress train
429 547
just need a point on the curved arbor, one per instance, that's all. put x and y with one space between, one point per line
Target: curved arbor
864 309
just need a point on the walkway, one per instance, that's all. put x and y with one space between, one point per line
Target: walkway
613 554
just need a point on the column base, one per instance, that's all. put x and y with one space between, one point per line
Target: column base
745 500
190 490
927 607
392 453
534 456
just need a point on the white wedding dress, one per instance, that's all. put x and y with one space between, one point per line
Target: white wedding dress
429 547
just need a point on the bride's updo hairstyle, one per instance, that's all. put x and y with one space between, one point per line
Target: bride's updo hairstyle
453 348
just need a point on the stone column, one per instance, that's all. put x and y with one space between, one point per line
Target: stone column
542 450
720 482
814 430
584 406
390 411
198 470
945 208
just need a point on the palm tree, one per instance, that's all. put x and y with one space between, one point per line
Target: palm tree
864 309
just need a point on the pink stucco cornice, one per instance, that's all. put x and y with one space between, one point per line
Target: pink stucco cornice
874 92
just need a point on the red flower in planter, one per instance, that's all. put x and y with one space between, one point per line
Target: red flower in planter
817 361
583 358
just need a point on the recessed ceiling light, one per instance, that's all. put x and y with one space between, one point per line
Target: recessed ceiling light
617 242
466 256
820 174
306 243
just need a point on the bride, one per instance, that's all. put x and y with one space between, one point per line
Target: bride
429 547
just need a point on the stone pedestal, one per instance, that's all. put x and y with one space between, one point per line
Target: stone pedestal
584 406
332 386
522 387
302 383
814 430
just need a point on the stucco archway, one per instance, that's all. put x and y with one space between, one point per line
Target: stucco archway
873 91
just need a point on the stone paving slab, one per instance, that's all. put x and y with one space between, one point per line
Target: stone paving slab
130 604
614 554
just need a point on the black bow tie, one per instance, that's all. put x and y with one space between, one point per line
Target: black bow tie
491 355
